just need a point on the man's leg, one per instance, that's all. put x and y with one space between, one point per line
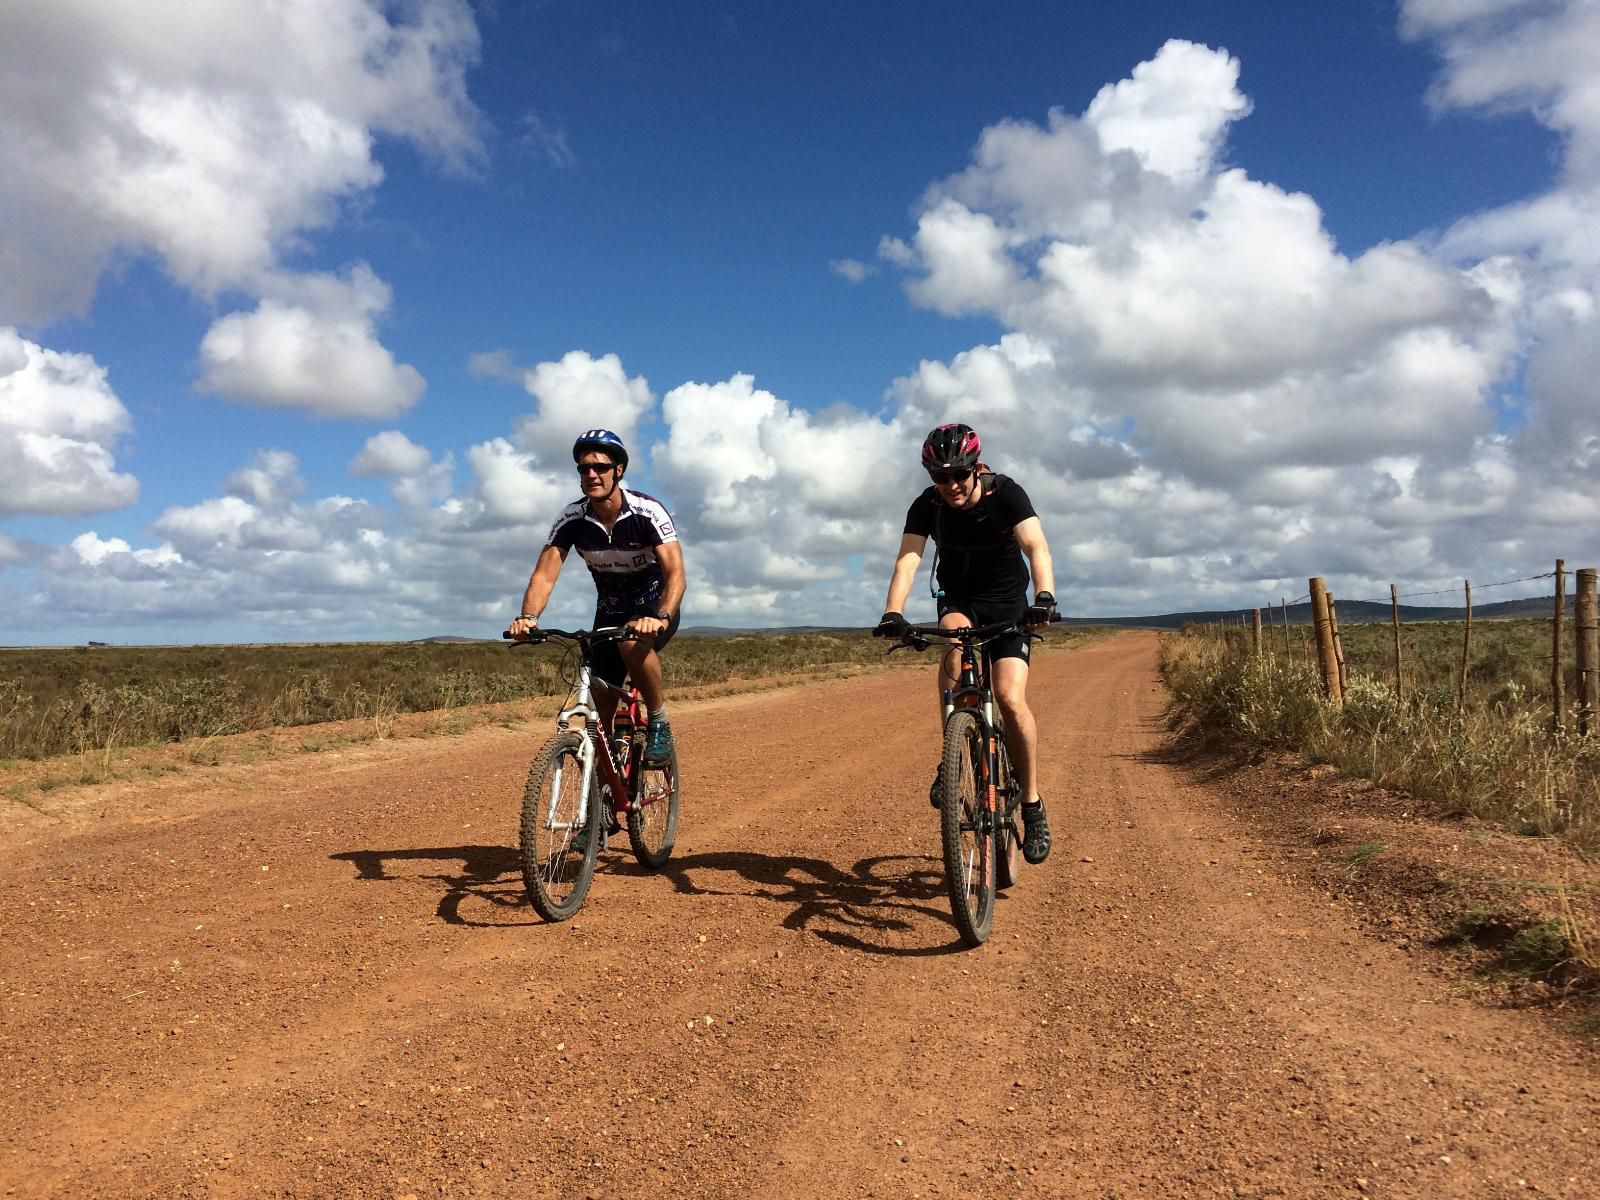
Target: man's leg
950 660
644 665
1010 680
1010 677
949 676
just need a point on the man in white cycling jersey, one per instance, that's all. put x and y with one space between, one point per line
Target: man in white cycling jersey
627 540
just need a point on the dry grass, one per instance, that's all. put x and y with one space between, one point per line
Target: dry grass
1494 758
88 702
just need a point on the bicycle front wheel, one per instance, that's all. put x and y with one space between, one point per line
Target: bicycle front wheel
653 815
560 829
967 827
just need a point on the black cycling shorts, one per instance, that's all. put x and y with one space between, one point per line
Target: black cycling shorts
607 661
990 612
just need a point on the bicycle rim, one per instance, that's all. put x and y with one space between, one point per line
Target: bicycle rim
967 833
1008 856
560 830
653 816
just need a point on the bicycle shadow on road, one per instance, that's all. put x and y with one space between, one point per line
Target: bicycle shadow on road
489 875
859 909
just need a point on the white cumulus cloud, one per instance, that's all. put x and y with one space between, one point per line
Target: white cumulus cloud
577 393
210 135
313 346
60 422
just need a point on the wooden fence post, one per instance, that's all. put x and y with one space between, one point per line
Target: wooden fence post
1338 647
1588 651
1255 632
1558 680
1288 646
1324 630
1399 675
1466 653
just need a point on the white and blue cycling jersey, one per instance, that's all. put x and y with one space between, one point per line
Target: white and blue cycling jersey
627 574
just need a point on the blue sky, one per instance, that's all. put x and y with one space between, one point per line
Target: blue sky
299 312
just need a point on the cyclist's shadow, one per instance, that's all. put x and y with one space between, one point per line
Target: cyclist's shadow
489 875
860 909
884 896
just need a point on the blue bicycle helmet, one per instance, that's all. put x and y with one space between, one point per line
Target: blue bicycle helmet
604 441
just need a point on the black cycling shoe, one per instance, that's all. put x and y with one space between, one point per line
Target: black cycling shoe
935 787
1035 833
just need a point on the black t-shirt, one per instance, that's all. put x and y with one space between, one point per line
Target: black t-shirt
979 558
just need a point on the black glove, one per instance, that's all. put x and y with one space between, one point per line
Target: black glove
892 625
1042 611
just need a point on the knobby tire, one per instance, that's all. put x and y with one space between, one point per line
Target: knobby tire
558 864
653 817
969 843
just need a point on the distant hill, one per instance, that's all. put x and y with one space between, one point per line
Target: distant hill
1351 612
735 631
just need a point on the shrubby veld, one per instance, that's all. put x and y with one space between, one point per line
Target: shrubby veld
55 702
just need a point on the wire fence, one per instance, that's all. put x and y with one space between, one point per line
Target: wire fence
1564 663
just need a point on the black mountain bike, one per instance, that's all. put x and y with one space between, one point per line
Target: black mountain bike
979 799
588 782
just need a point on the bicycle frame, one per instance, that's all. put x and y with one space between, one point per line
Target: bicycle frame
582 717
973 691
598 737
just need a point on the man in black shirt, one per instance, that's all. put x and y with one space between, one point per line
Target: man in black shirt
983 525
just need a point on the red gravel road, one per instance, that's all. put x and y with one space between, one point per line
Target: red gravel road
319 977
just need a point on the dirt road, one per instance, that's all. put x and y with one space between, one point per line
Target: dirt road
319 977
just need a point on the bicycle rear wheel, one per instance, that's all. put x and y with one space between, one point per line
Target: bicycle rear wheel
560 829
967 829
653 815
1008 856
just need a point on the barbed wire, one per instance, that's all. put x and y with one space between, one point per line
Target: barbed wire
1450 591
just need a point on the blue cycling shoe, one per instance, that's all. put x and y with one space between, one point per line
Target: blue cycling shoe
658 744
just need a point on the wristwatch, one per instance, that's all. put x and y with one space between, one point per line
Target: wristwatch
663 615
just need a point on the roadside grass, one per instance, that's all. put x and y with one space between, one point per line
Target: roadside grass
1494 758
1363 854
1515 950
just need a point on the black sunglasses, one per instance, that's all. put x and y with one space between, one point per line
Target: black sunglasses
595 468
960 475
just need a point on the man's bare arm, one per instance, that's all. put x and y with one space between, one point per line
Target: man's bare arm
540 584
906 563
1030 536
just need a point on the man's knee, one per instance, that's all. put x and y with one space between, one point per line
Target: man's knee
1012 696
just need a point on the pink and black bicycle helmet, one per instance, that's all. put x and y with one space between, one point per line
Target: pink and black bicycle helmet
951 447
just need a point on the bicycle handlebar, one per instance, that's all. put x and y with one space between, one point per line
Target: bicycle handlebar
608 633
917 637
